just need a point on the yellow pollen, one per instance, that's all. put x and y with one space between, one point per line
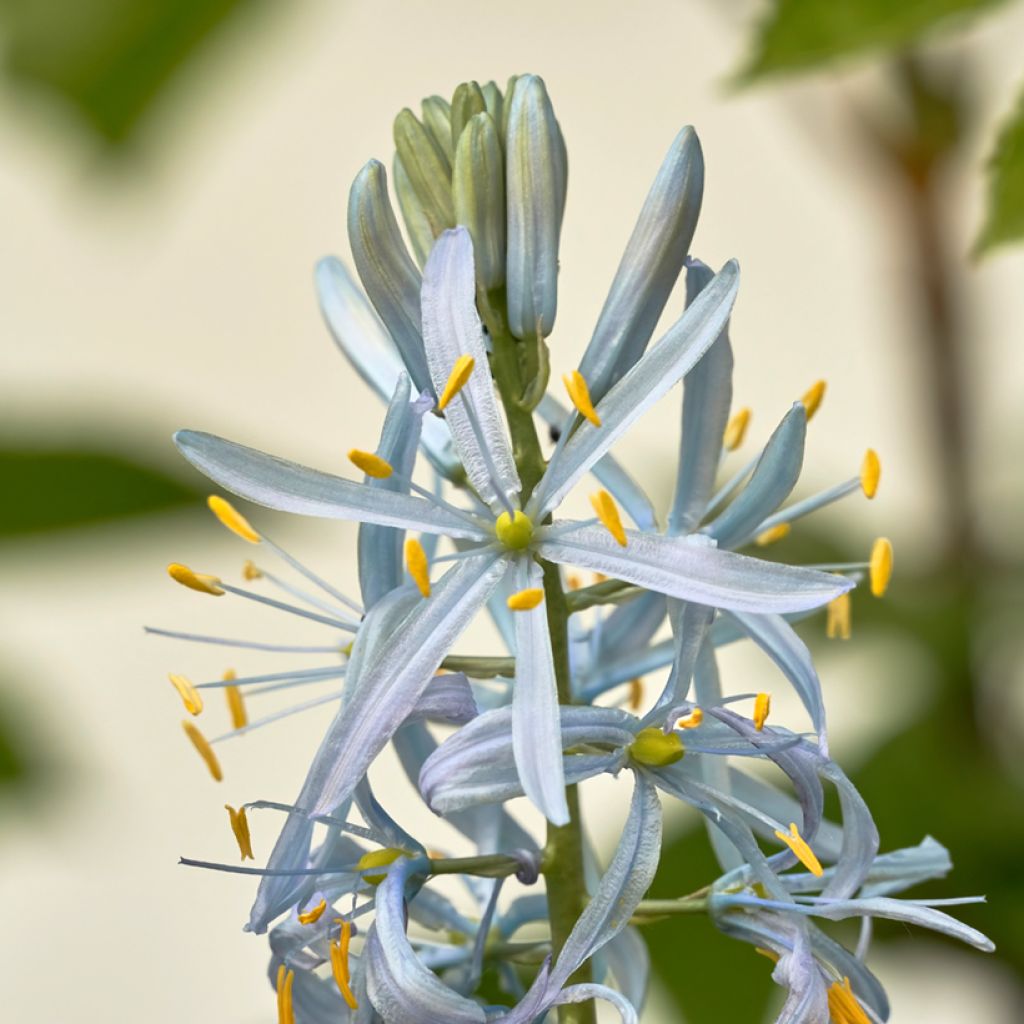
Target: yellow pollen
251 571
514 531
416 564
576 385
313 915
798 845
608 512
837 622
762 705
692 720
190 696
240 826
636 694
201 744
772 534
812 398
378 859
736 429
339 964
525 600
236 702
232 518
771 954
456 380
843 1006
870 473
194 581
599 577
656 748
370 464
285 981
880 566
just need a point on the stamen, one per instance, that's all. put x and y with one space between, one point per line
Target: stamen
762 706
236 702
205 750
285 981
417 566
812 398
194 581
313 915
339 964
843 1006
880 566
254 645
837 623
232 518
579 393
636 694
772 534
189 695
798 845
515 531
870 472
770 954
525 600
656 748
608 512
692 720
370 464
251 571
240 827
456 381
736 429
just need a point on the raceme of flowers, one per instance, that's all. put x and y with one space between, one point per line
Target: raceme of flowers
454 338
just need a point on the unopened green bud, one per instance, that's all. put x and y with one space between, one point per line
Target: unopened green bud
494 102
478 190
417 227
437 119
467 102
429 170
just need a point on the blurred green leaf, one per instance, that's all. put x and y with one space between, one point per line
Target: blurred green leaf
108 59
53 489
1005 215
804 34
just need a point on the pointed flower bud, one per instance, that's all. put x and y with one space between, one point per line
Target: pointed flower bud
437 119
428 167
535 180
478 189
467 102
417 227
495 103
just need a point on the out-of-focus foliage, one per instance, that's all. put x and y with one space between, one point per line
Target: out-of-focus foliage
1005 218
802 34
57 488
107 59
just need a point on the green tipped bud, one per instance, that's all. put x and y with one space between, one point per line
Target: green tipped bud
494 102
478 189
417 227
535 183
467 102
437 119
385 268
428 168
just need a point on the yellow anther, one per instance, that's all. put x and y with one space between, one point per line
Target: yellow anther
636 694
573 581
193 580
240 827
579 393
772 534
812 398
770 954
347 649
370 464
843 1006
251 571
608 512
456 380
762 706
190 696
339 964
736 429
236 702
232 518
314 914
692 720
525 600
378 859
285 981
514 531
599 577
870 473
656 748
837 621
880 566
202 745
416 565
798 845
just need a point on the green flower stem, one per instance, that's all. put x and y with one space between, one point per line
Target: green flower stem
494 865
480 666
650 911
563 853
606 592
